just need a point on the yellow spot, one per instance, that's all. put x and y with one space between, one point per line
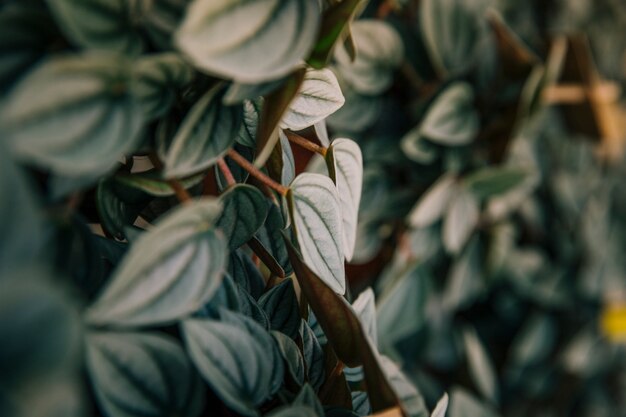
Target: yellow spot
613 322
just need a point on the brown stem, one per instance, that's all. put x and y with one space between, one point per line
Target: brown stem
228 175
254 171
305 143
180 191
266 257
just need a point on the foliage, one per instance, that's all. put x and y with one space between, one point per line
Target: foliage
165 253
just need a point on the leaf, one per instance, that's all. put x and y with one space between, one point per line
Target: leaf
241 92
237 364
281 305
246 274
464 278
344 331
251 114
441 407
365 309
379 51
294 411
245 210
316 216
434 202
74 115
461 219
491 182
313 356
288 171
291 356
309 398
118 210
169 272
142 374
160 77
410 398
480 366
250 42
334 21
358 113
318 97
206 133
360 403
417 148
463 404
345 164
270 236
451 119
151 182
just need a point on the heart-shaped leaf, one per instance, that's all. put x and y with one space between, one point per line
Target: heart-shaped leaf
245 210
433 203
291 356
345 165
281 305
206 133
142 374
316 216
451 120
236 363
461 219
74 115
170 271
274 38
319 96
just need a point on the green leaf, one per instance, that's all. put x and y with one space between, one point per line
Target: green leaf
237 364
152 182
313 356
118 210
208 130
160 77
491 182
365 308
246 274
294 411
434 202
451 119
358 113
308 397
142 374
464 278
316 216
345 165
251 114
441 407
410 398
270 236
291 356
245 210
417 148
318 97
480 366
281 305
360 403
461 219
288 171
74 115
169 272
379 51
463 404
248 41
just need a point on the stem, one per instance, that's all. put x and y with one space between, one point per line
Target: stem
182 194
256 173
228 175
266 257
305 143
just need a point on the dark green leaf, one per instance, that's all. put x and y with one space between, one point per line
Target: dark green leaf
270 236
313 356
491 182
281 305
291 356
245 210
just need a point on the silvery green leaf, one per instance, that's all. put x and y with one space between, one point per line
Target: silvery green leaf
159 78
316 328
318 97
534 341
452 31
410 398
249 126
246 274
463 404
237 364
308 397
358 113
379 51
492 182
461 219
241 92
205 134
115 212
322 132
288 171
169 272
291 356
249 307
464 279
360 403
417 148
152 182
313 356
247 41
270 236
441 407
142 374
316 215
74 114
345 164
451 119
365 308
245 210
434 202
294 411
281 305
480 366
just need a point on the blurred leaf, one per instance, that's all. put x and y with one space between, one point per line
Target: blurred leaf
308 397
365 308
463 404
480 366
152 182
248 42
464 278
316 214
142 374
291 356
345 164
461 219
251 114
74 114
490 182
433 204
118 208
318 97
294 411
245 210
410 398
441 407
169 272
281 305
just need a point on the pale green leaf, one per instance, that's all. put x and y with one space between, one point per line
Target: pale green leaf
464 279
245 210
169 272
208 130
345 164
152 182
480 366
461 219
142 374
251 114
451 119
434 202
410 398
291 356
441 407
463 404
316 215
248 41
417 148
74 115
318 97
